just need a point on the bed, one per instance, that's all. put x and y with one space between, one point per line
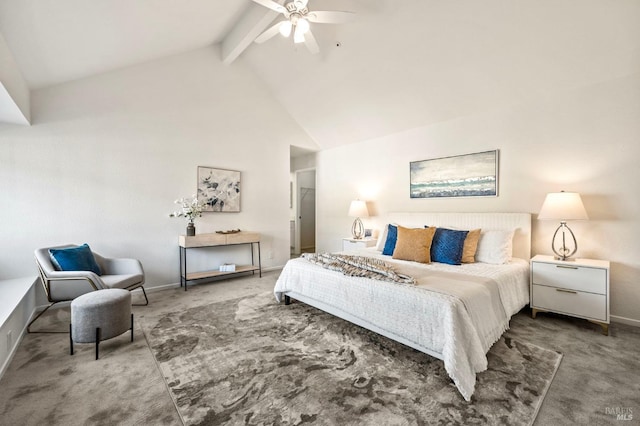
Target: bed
453 312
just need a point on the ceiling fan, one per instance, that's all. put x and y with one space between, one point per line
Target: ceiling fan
297 19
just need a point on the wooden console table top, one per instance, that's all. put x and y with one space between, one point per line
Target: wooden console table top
209 240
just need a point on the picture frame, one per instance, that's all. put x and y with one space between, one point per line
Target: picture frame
219 189
467 175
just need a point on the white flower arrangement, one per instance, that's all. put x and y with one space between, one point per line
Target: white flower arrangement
191 208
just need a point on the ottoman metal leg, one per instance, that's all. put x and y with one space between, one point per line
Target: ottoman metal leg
70 340
132 327
97 342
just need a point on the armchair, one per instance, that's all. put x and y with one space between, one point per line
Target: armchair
64 286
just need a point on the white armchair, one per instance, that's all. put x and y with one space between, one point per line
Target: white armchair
63 286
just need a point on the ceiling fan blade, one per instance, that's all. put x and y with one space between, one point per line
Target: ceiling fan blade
301 3
271 5
270 32
311 43
330 16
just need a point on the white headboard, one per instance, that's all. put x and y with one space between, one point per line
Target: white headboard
521 222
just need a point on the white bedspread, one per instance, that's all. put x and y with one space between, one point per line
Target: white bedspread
454 313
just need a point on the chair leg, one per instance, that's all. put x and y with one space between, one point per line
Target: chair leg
38 316
145 298
132 327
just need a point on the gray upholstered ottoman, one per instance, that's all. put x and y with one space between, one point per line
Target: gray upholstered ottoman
100 315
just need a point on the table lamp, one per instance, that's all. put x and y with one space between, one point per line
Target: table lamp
358 209
563 206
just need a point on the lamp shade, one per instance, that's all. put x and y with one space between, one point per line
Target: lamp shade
563 206
358 208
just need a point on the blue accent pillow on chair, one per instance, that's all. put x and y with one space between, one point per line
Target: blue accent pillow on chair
447 246
390 244
75 259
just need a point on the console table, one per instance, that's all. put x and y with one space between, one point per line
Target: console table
217 240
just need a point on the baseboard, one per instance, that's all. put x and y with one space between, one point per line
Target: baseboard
156 288
175 285
623 320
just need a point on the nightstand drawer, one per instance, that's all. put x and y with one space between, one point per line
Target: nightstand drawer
567 276
565 301
350 244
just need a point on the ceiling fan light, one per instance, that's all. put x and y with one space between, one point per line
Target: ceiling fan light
285 28
302 25
298 35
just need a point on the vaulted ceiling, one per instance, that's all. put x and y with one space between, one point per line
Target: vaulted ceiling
401 64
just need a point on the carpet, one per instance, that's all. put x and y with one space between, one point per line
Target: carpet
253 361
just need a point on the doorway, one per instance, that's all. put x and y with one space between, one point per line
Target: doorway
305 226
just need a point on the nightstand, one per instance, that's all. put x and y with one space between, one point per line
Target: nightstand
349 244
579 288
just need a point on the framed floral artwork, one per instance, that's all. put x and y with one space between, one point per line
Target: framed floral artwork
219 189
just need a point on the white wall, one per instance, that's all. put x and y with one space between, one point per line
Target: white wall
14 93
585 140
106 157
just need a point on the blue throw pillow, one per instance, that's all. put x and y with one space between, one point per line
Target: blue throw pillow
75 259
390 244
447 246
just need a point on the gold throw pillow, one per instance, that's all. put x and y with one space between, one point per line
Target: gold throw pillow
470 246
414 244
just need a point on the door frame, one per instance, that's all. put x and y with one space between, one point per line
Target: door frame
297 247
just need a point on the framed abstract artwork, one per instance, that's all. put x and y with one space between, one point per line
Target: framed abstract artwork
219 189
469 175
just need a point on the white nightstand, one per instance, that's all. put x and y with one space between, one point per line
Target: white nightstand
578 288
349 244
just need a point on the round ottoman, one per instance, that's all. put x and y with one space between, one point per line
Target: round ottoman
100 315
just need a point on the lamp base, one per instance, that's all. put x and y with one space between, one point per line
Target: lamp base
563 252
565 259
357 230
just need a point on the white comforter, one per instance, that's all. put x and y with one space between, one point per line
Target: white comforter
454 313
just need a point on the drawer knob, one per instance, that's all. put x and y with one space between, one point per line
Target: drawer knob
566 291
566 267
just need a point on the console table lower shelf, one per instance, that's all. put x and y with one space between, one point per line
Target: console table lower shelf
218 240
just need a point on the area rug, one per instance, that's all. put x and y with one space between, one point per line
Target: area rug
253 361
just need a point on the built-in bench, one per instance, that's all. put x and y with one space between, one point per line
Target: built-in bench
17 304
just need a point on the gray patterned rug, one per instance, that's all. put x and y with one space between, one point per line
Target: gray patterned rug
252 361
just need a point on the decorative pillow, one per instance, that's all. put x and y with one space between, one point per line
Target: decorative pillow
382 238
414 244
390 242
77 258
470 246
447 246
495 246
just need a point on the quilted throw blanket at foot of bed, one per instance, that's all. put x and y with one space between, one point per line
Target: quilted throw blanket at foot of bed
358 266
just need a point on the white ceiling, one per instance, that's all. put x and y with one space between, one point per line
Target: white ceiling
54 41
402 64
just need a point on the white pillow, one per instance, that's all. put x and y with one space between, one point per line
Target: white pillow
382 237
495 246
